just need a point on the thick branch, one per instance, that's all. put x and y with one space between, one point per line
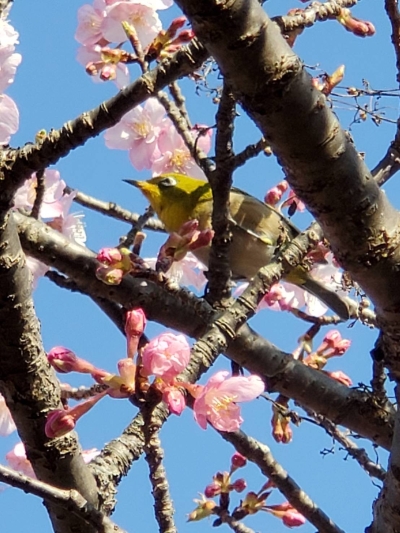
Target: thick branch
183 311
29 385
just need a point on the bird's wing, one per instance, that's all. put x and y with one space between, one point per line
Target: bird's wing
259 220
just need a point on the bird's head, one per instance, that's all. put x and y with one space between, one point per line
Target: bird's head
172 195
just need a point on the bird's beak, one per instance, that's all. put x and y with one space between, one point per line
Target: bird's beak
135 183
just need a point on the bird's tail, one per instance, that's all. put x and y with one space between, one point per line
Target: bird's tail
330 298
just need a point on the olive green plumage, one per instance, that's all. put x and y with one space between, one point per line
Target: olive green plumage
257 228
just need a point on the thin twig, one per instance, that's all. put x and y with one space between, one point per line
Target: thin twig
40 189
154 455
392 11
261 455
359 454
113 210
252 150
180 100
221 182
183 128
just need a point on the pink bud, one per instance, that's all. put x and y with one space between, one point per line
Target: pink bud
109 256
212 490
293 519
176 24
59 422
64 361
273 196
239 485
361 28
134 326
175 400
238 460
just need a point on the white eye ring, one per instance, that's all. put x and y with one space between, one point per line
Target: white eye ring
168 182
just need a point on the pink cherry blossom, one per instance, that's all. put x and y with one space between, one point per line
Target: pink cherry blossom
138 132
143 17
174 399
90 18
17 460
52 200
9 118
103 68
216 402
166 356
37 270
8 35
9 62
175 155
89 455
7 425
188 272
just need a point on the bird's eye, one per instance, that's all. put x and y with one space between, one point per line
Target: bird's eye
168 182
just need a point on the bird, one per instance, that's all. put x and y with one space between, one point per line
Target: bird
258 229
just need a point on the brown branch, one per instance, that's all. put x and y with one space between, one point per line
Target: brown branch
261 455
390 163
392 11
70 500
252 150
359 454
30 386
17 165
182 126
154 455
180 100
219 275
314 12
181 310
113 210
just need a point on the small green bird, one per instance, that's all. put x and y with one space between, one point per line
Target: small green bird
257 229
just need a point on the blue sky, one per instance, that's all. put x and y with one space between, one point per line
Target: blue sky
51 88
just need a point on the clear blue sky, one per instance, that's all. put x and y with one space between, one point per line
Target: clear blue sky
51 88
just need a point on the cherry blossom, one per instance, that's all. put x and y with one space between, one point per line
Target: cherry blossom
103 66
176 156
16 458
9 118
53 195
9 60
188 272
166 356
216 401
138 132
7 425
142 17
90 18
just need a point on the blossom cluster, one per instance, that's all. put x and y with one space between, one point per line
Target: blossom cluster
54 208
163 358
153 142
105 25
223 486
